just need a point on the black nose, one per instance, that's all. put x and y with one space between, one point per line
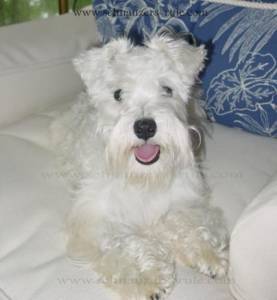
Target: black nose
145 128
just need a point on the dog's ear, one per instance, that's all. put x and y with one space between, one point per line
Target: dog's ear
93 63
188 59
87 64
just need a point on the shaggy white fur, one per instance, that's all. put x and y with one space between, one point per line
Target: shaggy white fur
140 200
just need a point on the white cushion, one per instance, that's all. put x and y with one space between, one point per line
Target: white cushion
238 166
35 63
34 201
254 248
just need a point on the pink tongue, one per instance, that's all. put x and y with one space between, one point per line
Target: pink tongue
147 152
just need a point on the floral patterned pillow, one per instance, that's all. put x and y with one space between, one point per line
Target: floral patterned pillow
140 19
240 80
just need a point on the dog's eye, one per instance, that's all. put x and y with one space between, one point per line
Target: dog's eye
167 91
117 95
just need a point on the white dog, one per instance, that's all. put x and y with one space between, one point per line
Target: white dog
141 203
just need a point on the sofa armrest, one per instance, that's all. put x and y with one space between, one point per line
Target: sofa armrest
35 63
253 252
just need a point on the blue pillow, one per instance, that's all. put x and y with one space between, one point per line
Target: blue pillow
240 80
262 1
141 19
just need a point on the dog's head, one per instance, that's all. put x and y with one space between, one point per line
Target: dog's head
141 97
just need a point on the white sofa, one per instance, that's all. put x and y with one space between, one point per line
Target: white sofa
35 74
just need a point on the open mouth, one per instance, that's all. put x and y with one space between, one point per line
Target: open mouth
147 154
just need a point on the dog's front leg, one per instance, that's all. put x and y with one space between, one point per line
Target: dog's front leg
133 262
199 238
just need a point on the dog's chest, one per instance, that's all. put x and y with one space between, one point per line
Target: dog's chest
117 203
138 208
133 206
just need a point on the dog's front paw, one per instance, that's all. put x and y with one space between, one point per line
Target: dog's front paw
149 276
213 255
205 252
159 295
159 283
148 288
213 264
